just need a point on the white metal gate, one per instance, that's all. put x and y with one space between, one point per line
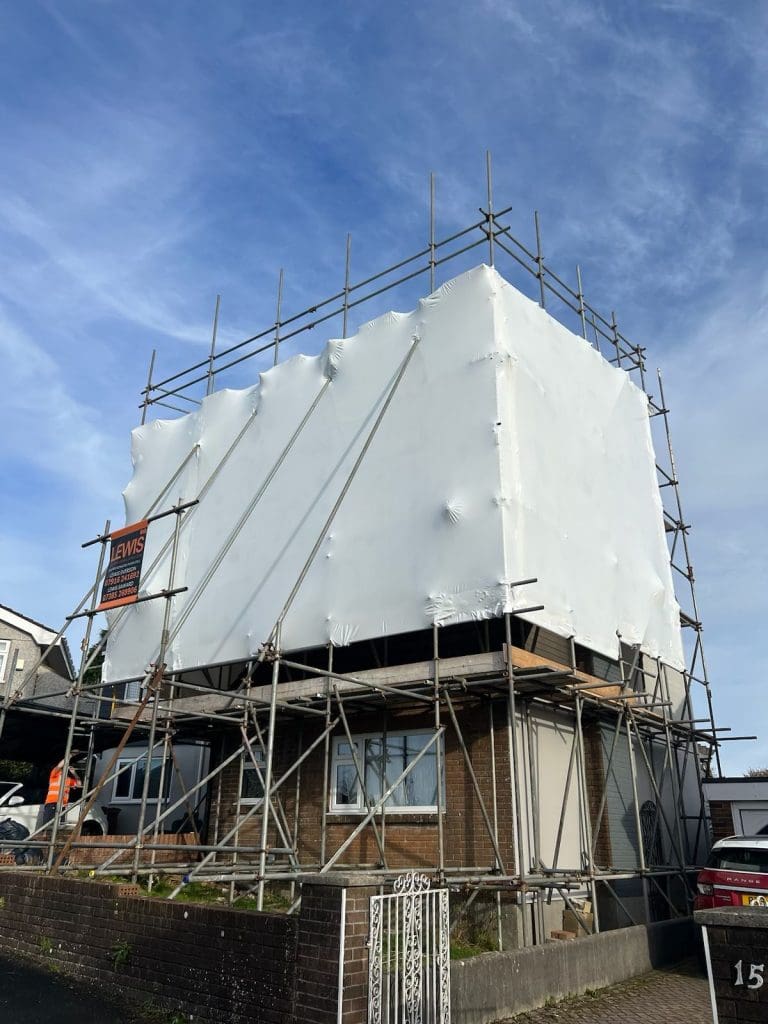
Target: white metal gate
409 963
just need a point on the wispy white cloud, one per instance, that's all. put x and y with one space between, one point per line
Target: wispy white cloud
43 424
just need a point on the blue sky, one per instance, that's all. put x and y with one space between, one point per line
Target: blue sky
156 154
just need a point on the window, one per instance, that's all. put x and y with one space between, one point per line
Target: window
5 646
252 791
739 858
6 788
129 785
132 692
382 760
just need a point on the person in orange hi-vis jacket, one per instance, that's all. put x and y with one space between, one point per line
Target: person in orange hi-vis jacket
55 783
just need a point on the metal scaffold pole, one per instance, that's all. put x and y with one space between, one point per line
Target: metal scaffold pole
681 535
61 799
159 675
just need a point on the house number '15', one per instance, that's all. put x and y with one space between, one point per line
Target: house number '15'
755 978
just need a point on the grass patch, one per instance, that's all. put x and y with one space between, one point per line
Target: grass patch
196 892
276 902
464 948
192 892
468 941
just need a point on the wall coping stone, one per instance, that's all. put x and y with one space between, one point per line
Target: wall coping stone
728 917
342 879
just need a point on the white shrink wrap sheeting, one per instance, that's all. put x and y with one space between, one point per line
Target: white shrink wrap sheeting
510 450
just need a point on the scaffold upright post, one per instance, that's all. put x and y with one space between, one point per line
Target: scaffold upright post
210 383
62 797
148 389
159 670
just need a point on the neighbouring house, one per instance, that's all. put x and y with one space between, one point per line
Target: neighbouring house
737 806
36 671
23 643
185 764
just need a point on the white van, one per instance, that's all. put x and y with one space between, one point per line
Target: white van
15 803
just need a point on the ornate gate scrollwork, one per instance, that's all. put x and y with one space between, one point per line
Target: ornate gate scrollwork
409 964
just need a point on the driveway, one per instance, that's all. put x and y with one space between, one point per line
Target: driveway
29 995
677 995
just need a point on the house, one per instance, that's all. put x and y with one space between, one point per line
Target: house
186 762
23 643
424 590
36 671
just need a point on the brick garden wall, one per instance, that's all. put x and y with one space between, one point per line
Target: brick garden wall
93 850
324 905
217 964
738 948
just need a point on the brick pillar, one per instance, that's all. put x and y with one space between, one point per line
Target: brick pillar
331 984
596 783
738 955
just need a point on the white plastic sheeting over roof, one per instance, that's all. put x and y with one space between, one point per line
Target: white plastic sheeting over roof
511 449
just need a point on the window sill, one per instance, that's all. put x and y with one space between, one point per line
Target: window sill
392 817
132 800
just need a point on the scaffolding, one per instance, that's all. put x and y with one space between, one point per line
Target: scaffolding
282 694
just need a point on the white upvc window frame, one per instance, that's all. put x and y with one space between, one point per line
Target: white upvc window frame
248 766
345 759
132 693
131 773
5 655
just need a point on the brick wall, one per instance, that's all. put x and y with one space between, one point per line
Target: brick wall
216 964
722 819
595 778
318 947
357 923
324 905
93 850
411 839
738 947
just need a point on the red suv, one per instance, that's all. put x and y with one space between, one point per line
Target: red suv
736 874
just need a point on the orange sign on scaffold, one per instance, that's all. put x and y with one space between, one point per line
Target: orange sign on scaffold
121 582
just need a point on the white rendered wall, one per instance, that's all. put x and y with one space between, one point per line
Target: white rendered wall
511 449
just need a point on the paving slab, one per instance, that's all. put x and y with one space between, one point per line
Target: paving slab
676 995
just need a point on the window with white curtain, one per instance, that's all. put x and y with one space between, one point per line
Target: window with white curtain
382 759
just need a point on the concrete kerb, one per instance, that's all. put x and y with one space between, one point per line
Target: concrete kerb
497 985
